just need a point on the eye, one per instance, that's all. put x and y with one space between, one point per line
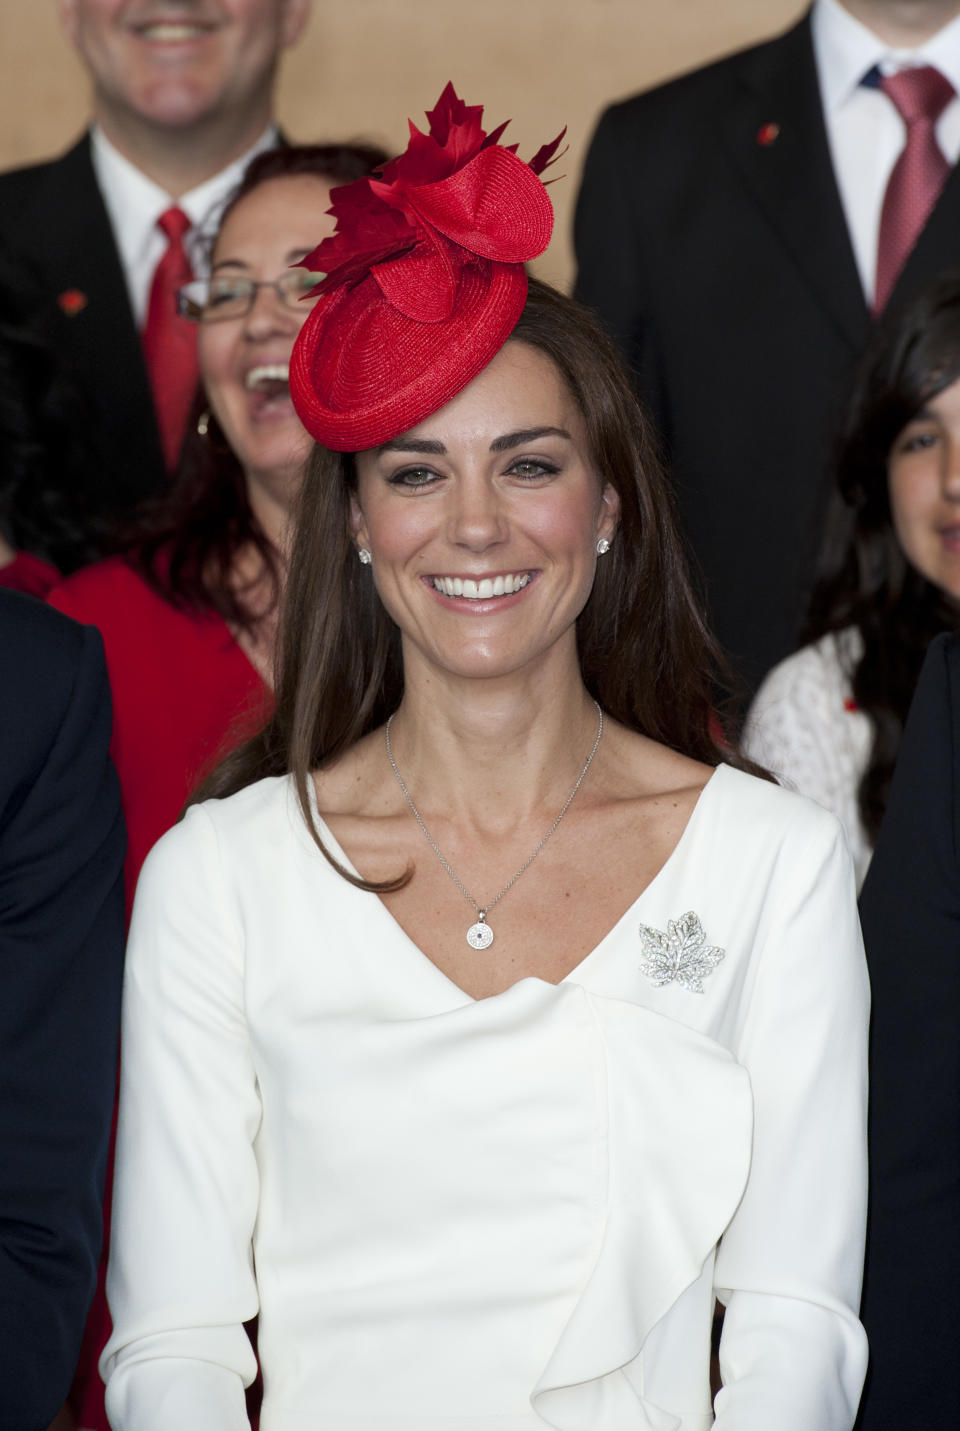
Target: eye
414 477
532 467
917 441
300 281
224 291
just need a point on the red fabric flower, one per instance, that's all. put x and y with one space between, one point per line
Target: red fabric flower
434 208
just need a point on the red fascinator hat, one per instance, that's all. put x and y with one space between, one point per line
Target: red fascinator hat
424 279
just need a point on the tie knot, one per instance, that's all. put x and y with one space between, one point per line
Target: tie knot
174 223
919 93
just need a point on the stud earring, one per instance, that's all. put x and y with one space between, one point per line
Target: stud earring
364 555
203 424
603 546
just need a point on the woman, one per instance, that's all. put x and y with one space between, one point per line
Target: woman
828 720
466 1120
188 614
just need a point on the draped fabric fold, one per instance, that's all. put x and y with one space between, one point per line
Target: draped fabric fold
680 1119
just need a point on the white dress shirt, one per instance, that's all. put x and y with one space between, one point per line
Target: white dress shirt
134 203
865 131
504 1214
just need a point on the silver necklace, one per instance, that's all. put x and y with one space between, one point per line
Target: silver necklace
480 935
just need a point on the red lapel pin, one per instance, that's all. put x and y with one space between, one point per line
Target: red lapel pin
71 301
768 134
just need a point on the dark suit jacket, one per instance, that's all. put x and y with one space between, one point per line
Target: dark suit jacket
54 227
61 942
910 908
723 266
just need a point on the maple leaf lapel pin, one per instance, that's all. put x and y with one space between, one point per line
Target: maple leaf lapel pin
71 302
680 955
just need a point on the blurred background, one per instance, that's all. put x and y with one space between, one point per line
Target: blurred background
363 64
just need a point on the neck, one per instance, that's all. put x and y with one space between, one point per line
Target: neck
493 752
903 24
179 160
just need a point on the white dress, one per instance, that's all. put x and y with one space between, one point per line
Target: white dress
493 1215
804 727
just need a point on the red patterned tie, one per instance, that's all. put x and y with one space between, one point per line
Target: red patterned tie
169 341
919 97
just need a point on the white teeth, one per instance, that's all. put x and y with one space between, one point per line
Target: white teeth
171 33
483 589
268 373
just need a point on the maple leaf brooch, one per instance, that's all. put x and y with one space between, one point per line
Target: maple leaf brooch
682 954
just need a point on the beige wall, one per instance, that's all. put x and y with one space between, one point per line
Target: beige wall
365 65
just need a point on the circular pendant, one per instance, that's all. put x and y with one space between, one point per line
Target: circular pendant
480 935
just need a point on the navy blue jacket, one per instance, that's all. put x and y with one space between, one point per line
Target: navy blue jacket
61 947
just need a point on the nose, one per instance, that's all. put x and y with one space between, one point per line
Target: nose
269 316
477 519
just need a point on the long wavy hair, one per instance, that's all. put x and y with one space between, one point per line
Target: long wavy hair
185 541
866 581
645 651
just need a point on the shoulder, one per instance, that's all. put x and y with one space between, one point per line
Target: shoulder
107 590
767 816
823 666
24 189
686 97
42 651
247 831
53 687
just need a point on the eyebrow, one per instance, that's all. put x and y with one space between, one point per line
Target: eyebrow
293 259
499 444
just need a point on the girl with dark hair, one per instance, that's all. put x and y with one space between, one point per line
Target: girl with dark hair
188 613
828 720
492 1022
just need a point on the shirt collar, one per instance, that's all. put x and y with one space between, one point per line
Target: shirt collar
135 203
845 49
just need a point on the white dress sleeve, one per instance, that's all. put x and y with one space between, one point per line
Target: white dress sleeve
181 1281
793 1353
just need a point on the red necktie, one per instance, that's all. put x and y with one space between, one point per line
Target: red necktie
169 341
919 97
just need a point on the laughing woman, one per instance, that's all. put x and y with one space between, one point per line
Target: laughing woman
188 614
492 1023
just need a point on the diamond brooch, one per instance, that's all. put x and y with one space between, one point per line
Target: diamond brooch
681 955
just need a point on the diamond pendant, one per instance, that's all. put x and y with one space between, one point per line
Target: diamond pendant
480 935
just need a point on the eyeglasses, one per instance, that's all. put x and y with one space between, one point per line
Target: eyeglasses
214 300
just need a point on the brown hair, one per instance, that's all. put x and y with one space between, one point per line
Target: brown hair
645 651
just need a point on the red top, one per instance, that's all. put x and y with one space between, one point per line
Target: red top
183 693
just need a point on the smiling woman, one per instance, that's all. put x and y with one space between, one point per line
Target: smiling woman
470 1171
829 718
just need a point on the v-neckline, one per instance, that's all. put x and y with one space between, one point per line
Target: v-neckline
686 836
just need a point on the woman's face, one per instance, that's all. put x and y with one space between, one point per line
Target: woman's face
924 479
483 521
244 362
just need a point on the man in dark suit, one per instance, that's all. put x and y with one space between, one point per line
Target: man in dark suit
182 99
727 231
910 908
61 947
